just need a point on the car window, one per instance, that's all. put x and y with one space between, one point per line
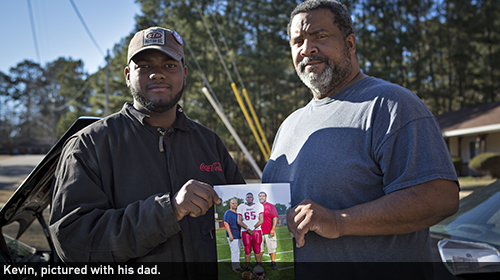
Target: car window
34 236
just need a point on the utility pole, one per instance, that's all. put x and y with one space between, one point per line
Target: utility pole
106 106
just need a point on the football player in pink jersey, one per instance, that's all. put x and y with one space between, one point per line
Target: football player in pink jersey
269 229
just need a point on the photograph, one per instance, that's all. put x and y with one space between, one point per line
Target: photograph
253 240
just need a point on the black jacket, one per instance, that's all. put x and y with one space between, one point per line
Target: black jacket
114 182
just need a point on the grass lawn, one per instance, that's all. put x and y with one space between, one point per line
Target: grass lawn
475 181
284 257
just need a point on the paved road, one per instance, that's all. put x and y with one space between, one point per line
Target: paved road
14 169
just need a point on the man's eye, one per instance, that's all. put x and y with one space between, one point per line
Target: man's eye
170 66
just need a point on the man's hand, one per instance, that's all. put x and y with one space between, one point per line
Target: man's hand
407 210
194 198
311 216
272 233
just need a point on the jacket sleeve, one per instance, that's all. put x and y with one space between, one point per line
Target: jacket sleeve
84 225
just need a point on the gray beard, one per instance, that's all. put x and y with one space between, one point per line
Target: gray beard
330 78
156 107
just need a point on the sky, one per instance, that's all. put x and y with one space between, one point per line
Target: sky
59 31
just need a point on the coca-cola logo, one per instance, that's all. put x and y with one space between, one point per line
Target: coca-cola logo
154 35
211 167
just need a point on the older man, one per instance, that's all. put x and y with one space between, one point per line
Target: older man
368 168
233 234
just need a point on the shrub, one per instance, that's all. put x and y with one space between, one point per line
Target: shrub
487 164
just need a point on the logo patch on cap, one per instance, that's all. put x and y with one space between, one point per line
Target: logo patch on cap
154 37
177 37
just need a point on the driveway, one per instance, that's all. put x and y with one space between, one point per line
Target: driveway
14 169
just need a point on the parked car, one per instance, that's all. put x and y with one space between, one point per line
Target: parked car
467 243
26 205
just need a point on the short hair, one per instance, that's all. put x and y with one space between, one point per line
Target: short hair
342 16
249 193
263 193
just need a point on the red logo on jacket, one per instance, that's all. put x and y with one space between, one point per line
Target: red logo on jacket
211 168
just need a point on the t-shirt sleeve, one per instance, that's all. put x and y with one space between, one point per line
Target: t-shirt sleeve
273 211
259 208
415 154
239 211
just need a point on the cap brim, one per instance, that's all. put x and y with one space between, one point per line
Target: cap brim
168 52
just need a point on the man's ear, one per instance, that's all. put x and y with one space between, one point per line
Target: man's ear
350 42
127 76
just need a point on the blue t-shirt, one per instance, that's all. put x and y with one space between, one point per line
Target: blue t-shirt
366 141
231 218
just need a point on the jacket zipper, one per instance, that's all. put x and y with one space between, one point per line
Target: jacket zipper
160 142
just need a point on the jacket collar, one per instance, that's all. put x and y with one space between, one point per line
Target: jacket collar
182 122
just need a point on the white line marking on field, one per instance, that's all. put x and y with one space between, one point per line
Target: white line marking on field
253 257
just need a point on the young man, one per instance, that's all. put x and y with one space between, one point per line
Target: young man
250 218
233 234
269 229
367 165
129 188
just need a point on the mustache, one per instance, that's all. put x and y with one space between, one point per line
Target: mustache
308 59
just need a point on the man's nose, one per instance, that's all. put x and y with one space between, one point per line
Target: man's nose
308 48
157 74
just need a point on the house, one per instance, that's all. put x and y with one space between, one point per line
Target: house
471 131
35 145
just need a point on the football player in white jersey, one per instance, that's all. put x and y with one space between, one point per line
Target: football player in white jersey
250 218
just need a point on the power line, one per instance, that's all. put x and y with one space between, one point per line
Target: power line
89 79
236 92
244 90
212 98
33 31
86 28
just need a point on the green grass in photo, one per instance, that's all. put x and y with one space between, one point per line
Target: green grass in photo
284 257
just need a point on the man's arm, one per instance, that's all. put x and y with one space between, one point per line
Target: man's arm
243 225
85 226
228 230
404 211
261 220
273 227
274 214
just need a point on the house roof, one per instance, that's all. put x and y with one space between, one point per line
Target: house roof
47 142
484 118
